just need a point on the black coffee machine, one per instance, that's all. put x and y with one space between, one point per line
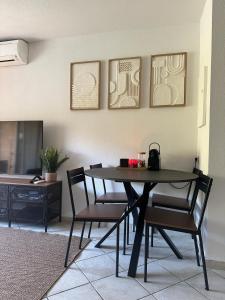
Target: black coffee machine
154 157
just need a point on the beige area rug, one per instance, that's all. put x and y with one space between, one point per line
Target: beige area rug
31 262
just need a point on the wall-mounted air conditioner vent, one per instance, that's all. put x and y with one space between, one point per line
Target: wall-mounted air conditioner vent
13 53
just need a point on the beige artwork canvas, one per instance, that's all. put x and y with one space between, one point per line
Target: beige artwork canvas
124 83
84 87
168 80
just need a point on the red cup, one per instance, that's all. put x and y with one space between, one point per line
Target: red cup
133 163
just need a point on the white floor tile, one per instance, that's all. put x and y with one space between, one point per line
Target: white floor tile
181 268
159 252
89 252
182 241
109 245
158 278
70 279
216 286
148 298
121 288
36 228
98 233
5 224
14 226
66 233
124 260
97 267
63 226
220 272
179 291
165 271
84 292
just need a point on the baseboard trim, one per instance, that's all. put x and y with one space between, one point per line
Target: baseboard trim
215 264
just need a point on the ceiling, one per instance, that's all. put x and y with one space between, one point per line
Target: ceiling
46 19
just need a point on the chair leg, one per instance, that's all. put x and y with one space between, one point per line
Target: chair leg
117 249
146 251
152 233
69 242
89 232
99 223
124 236
196 249
82 234
128 229
203 262
152 236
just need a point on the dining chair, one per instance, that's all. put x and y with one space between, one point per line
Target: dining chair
93 213
109 197
170 202
160 218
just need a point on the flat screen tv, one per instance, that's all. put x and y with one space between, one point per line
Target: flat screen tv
20 146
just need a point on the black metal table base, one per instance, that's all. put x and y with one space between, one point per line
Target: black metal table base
143 202
135 202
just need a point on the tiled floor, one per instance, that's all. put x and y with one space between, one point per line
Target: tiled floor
92 277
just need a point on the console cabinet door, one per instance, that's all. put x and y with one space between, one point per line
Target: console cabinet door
27 204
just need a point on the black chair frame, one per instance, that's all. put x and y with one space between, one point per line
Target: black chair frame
76 176
192 202
97 166
203 183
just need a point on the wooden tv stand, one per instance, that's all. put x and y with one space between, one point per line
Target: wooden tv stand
22 201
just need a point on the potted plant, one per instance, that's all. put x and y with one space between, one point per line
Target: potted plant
51 161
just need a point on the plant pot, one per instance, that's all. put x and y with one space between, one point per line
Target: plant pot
50 177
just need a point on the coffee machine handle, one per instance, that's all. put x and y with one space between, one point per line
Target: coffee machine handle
155 144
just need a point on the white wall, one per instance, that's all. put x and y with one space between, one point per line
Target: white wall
211 142
205 87
216 209
40 90
205 61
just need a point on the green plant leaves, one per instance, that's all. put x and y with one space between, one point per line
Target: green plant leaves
51 159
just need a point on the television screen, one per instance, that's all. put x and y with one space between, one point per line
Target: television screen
20 146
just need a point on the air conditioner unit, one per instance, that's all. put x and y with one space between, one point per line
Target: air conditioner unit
13 53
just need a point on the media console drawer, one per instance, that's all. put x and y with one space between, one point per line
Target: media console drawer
27 194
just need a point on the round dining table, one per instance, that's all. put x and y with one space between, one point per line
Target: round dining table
138 203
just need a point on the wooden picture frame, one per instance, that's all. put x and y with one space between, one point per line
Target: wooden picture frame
85 85
124 82
168 80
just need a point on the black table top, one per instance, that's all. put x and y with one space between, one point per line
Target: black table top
139 175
